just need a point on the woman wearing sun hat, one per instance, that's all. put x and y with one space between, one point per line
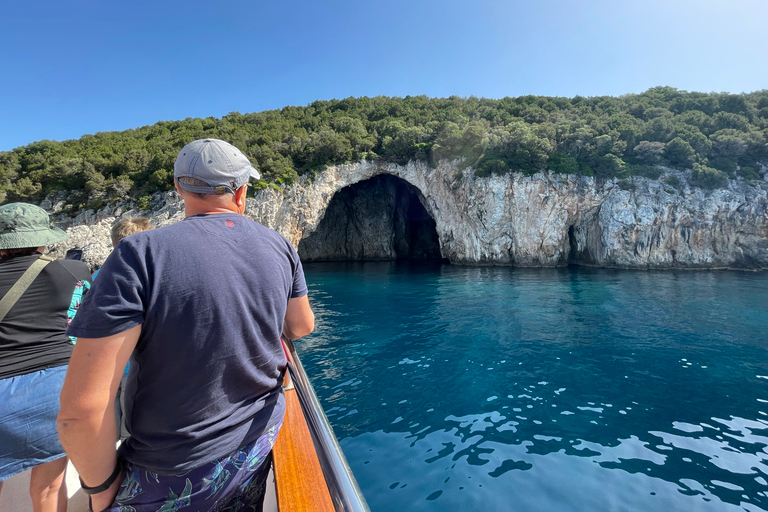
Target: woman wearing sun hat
38 298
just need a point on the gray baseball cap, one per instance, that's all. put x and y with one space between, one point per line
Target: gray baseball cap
219 164
25 225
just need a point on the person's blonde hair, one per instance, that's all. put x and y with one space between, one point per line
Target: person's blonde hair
126 227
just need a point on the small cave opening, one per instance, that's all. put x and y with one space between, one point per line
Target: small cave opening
583 243
379 219
574 251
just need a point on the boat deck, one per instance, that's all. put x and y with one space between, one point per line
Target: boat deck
301 486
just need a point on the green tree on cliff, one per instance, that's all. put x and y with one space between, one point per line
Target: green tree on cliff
679 153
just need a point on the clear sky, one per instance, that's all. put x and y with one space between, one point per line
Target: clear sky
76 67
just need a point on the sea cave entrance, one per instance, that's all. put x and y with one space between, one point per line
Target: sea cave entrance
379 219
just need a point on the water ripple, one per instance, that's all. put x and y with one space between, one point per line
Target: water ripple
546 390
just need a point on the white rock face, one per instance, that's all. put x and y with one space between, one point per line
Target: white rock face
650 227
542 220
89 231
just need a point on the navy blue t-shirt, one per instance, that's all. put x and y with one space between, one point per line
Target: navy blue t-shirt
210 293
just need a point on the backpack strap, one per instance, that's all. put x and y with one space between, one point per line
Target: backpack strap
20 286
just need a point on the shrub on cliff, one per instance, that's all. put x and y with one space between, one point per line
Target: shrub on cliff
726 165
585 169
708 177
749 173
649 152
611 166
648 171
679 153
562 164
673 181
490 167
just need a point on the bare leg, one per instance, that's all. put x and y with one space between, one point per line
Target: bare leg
47 487
63 498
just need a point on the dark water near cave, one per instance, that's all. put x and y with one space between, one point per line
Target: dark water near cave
459 389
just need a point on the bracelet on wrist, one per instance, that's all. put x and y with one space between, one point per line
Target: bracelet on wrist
106 485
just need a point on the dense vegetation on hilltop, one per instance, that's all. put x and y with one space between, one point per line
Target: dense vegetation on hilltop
717 136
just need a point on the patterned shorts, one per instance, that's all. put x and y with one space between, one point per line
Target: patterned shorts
234 483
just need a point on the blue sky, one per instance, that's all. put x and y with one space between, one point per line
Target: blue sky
77 67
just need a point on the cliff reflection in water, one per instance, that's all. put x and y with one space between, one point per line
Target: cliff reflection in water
452 388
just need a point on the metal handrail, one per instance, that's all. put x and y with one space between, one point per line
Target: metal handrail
345 493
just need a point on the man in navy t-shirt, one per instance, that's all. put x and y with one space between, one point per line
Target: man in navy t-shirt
199 307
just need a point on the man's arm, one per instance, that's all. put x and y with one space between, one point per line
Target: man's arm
86 421
299 319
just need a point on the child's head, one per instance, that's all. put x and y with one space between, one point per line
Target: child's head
125 227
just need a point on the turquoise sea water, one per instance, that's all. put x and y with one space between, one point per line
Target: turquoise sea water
458 389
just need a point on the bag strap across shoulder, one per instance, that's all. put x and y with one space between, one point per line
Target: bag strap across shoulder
20 286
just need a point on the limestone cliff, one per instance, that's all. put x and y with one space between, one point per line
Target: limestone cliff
374 210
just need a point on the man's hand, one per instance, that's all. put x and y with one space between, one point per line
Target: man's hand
103 500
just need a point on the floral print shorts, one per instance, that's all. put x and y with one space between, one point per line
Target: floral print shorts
234 483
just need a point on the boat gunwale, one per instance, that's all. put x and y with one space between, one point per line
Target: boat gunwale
345 492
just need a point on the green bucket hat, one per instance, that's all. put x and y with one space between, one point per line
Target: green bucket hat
26 225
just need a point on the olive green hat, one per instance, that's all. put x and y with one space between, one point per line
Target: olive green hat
26 225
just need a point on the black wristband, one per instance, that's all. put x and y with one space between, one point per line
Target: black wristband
103 487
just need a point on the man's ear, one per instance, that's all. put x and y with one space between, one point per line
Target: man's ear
240 195
178 188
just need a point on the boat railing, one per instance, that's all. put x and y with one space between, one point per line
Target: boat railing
345 493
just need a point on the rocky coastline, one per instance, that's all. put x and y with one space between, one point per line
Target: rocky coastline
379 211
